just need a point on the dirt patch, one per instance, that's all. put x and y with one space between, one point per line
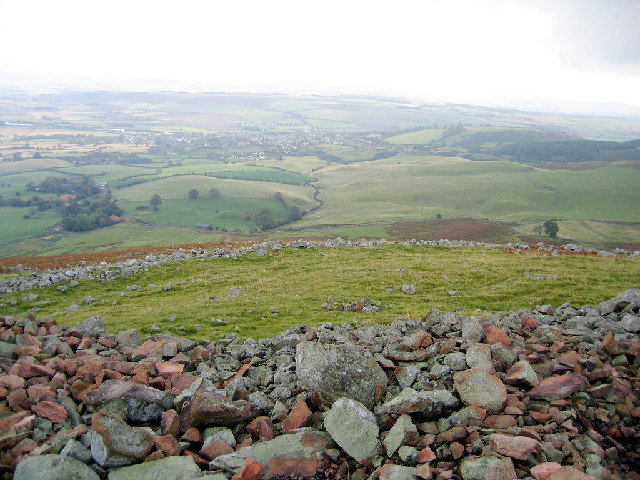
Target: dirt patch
452 229
92 258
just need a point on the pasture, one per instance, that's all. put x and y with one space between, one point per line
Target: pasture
288 287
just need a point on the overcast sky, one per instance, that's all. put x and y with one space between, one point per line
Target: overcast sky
506 52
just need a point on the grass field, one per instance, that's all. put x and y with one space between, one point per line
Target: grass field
287 287
419 137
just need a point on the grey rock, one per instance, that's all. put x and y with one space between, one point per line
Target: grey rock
409 289
77 450
477 387
407 375
504 353
7 349
129 338
631 323
183 343
487 468
115 444
123 389
408 454
91 327
301 445
169 467
88 300
53 467
334 371
353 427
455 360
218 433
430 403
398 434
472 331
73 308
234 292
619 303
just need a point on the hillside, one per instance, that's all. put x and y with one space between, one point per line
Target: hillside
379 387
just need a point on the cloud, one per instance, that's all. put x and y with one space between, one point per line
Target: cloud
598 35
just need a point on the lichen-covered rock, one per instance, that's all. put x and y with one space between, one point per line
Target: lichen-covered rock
304 445
115 444
429 403
477 387
334 371
53 467
169 467
353 427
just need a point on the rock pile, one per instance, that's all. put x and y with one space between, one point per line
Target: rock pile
544 394
364 305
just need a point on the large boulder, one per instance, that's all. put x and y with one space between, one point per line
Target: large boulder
334 371
53 467
115 444
353 427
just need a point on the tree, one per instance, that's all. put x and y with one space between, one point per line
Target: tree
551 228
155 202
193 194
214 192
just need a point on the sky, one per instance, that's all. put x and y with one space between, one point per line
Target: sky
488 52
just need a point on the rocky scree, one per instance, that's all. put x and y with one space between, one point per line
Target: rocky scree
549 393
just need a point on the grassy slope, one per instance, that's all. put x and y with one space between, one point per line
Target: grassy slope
288 287
411 187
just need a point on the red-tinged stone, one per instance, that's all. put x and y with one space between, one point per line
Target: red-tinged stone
26 368
106 342
529 323
50 410
262 428
181 382
426 455
167 369
540 417
211 409
40 392
424 472
3 393
635 413
169 423
167 444
113 375
250 470
26 351
17 400
25 446
150 349
244 368
494 335
199 354
286 466
192 435
80 388
157 455
68 366
520 448
215 449
298 417
11 382
609 344
569 473
247 442
543 471
141 376
156 382
457 450
559 387
500 422
453 434
72 341
201 462
9 423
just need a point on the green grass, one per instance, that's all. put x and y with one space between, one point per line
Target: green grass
419 137
590 232
119 236
287 287
222 212
416 187
16 227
